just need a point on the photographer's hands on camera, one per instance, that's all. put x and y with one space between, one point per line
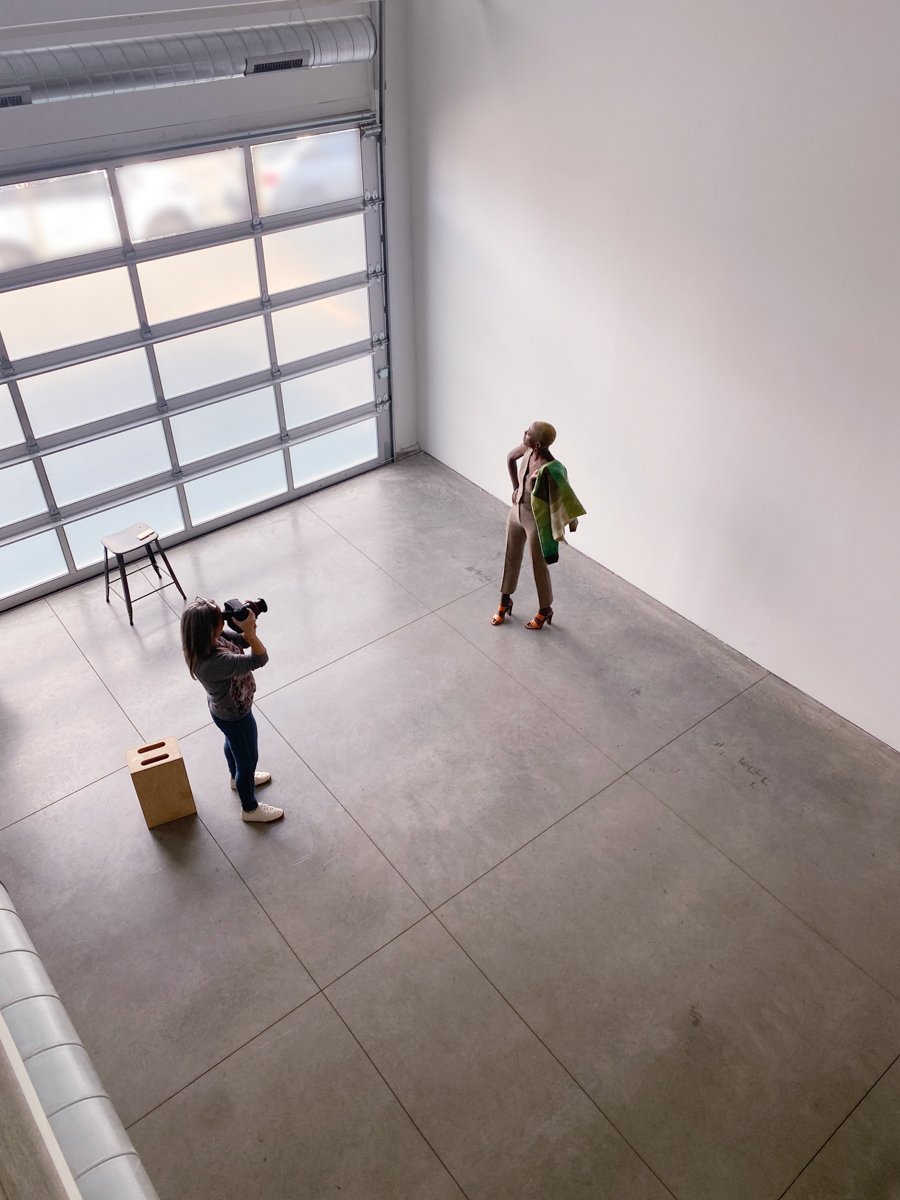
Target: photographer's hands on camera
248 629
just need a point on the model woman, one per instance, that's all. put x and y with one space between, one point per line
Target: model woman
543 504
216 658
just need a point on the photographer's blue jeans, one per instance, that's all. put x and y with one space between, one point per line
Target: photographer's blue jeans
242 755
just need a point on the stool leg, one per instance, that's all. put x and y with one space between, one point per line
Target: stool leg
106 571
120 559
152 558
162 555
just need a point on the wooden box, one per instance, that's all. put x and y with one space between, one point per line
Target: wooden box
161 782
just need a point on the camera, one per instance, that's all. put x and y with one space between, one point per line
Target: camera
234 610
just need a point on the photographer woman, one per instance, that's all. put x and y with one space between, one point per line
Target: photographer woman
216 658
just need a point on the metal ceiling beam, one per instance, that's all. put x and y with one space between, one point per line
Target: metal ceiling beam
173 60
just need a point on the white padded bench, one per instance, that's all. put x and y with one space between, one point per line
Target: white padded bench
93 1140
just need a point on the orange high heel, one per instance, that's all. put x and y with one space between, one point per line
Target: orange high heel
537 621
502 613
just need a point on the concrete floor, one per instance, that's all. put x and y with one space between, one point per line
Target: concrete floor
606 911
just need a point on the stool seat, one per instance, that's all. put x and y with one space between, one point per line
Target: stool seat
132 538
136 537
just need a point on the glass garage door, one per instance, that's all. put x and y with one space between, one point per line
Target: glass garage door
186 340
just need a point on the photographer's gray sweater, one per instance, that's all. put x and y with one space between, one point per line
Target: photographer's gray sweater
227 675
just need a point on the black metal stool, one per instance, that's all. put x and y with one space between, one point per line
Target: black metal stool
136 537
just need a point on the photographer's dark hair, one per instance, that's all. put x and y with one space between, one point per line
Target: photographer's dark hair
199 622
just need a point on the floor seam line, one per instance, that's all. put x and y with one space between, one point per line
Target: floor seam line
99 677
346 810
349 654
403 1107
840 1125
758 883
257 900
518 684
224 1058
90 783
558 1061
699 721
564 816
432 908
378 949
606 754
387 573
367 557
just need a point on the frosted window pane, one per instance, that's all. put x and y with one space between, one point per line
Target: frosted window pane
202 359
196 282
51 315
176 195
236 487
10 429
32 561
332 452
87 392
107 462
161 512
324 393
321 325
316 169
20 494
55 218
223 426
298 257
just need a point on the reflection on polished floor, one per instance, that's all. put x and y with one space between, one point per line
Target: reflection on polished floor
606 911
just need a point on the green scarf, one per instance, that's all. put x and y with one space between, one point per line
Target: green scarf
554 505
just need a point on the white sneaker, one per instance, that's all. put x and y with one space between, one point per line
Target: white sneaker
260 779
263 812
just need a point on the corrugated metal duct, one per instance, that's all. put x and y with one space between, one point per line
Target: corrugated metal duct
143 64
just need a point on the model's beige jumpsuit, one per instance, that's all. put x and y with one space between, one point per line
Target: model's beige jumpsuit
520 528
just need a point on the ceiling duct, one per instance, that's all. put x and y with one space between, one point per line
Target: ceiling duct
147 63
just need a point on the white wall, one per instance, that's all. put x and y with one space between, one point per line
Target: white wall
398 227
673 230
